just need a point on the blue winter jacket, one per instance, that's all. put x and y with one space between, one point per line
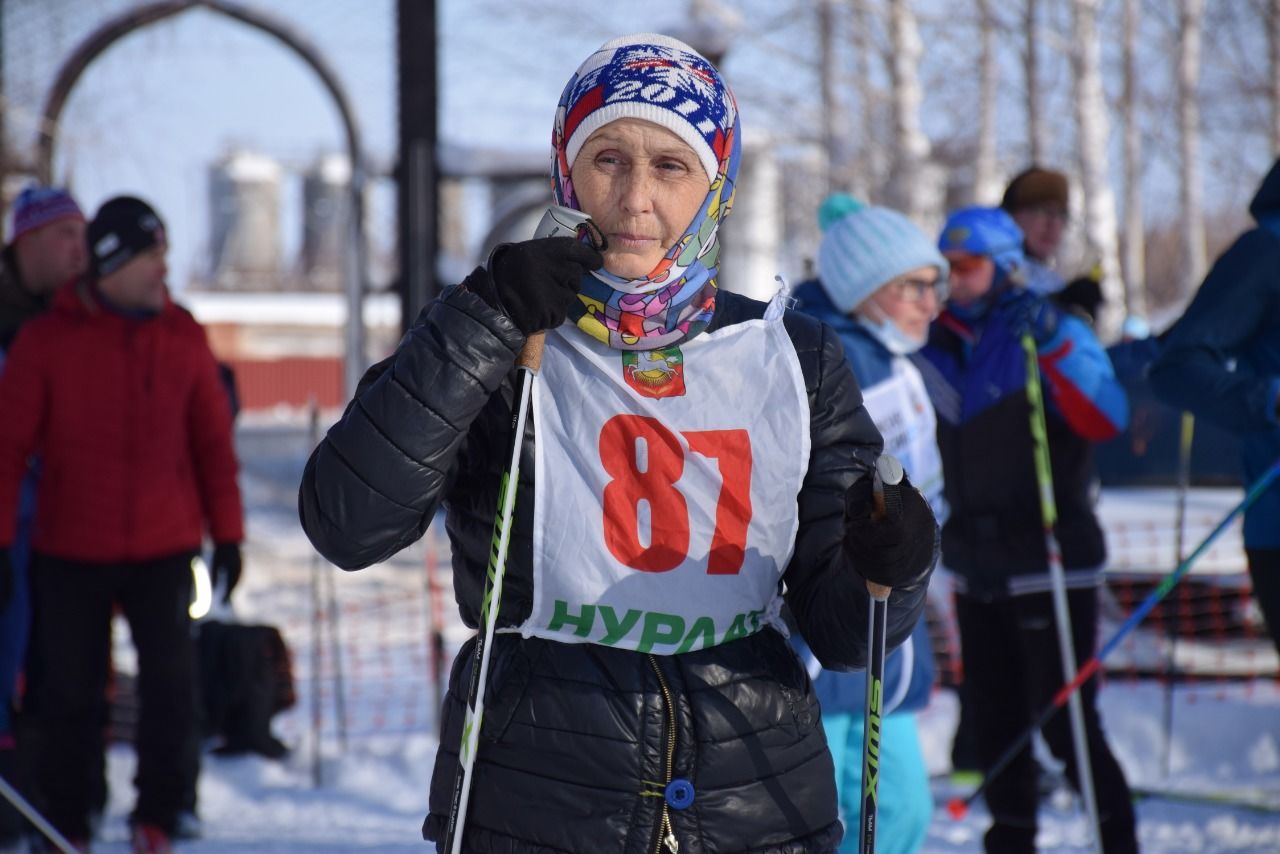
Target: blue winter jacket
1221 360
976 372
17 306
909 670
872 363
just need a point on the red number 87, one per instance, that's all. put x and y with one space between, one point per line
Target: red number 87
654 484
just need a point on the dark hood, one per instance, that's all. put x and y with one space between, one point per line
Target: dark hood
1266 202
17 304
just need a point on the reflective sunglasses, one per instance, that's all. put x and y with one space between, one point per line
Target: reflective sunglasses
966 264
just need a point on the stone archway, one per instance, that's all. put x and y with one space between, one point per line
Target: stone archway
121 26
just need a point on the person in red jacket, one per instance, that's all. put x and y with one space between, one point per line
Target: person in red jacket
117 390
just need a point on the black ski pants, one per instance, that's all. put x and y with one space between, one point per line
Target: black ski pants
67 664
1013 668
1264 570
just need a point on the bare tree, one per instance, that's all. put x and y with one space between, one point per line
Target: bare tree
1135 274
869 167
1031 78
834 130
1092 125
986 183
907 190
1189 34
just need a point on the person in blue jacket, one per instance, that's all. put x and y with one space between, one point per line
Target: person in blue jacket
993 541
47 250
881 281
1221 361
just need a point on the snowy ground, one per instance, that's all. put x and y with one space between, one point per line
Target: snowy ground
374 772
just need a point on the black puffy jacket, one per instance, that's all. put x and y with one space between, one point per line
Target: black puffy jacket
579 741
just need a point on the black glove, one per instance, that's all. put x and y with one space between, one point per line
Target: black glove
1082 296
535 282
1035 315
226 568
6 577
897 550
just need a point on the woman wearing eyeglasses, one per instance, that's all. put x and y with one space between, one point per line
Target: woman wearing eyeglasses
993 542
881 282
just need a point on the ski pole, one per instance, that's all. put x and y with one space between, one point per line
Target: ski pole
1186 435
435 642
317 637
959 806
556 221
1053 555
528 362
335 647
887 471
32 815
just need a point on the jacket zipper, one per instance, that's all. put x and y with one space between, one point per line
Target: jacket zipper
666 834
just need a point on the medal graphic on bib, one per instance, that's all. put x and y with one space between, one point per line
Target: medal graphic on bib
654 373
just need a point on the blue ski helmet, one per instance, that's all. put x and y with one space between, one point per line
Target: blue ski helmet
985 231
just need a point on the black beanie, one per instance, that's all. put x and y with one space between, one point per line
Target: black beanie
122 227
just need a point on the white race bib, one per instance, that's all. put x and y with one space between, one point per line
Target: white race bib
900 408
666 487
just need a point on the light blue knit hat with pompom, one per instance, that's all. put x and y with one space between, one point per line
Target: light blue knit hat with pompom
865 247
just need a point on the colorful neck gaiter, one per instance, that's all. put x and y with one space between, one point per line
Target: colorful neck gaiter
661 80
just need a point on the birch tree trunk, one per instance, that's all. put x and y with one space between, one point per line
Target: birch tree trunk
868 172
1031 81
1189 33
1135 274
907 191
832 109
986 183
1093 129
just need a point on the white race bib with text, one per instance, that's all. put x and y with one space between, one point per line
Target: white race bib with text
666 487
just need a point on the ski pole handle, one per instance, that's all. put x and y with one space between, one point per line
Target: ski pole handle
530 357
558 221
887 472
878 591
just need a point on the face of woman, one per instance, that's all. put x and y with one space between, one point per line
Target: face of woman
910 301
642 185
